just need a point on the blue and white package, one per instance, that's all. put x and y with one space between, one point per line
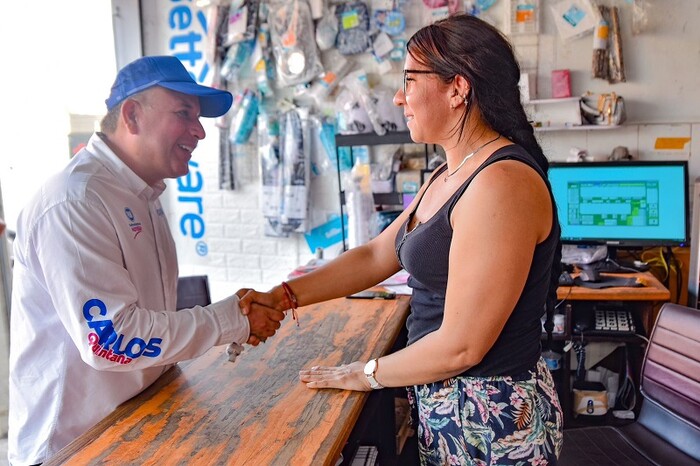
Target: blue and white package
245 118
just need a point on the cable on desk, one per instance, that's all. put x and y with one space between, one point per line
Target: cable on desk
619 267
564 298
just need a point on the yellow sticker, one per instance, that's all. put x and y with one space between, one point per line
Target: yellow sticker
670 143
351 19
602 31
260 66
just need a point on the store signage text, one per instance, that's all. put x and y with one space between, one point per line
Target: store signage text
187 29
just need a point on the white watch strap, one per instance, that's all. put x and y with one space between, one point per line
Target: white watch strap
374 385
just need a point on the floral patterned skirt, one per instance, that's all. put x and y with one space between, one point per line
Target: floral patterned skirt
505 420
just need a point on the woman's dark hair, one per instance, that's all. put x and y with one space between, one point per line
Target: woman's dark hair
466 46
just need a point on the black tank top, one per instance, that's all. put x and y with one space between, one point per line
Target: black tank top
424 253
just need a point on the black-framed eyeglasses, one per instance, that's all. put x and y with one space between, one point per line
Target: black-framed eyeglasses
406 72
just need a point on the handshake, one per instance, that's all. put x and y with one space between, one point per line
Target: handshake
265 311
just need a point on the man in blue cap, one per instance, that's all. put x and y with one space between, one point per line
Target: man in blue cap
95 276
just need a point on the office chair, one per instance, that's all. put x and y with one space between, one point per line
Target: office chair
193 291
667 431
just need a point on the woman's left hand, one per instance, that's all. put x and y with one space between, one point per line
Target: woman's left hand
346 377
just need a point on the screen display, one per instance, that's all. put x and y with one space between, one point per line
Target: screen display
622 203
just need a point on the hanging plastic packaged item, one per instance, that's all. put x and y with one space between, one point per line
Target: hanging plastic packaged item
270 170
293 44
237 57
242 21
295 172
320 162
360 204
391 116
641 12
601 33
351 116
353 31
262 62
227 179
523 17
324 84
245 117
484 5
341 159
327 30
217 25
357 83
389 21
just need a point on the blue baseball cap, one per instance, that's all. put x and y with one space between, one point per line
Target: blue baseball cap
170 73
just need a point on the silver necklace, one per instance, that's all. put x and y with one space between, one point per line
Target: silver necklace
470 155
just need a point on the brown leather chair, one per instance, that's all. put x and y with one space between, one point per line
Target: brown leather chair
667 431
193 291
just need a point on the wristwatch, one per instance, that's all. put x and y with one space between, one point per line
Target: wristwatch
370 370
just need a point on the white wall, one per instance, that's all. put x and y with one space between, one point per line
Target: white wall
661 94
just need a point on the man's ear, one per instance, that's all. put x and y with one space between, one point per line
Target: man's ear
131 113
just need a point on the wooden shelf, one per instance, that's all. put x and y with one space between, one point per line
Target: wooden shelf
551 101
575 127
392 198
653 290
372 139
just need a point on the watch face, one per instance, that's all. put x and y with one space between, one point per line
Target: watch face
370 367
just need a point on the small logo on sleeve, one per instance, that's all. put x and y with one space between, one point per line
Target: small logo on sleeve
133 224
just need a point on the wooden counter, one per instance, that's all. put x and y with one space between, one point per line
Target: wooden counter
254 411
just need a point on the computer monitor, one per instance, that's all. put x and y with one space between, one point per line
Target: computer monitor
622 204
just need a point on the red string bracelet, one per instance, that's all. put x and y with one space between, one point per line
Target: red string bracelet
293 303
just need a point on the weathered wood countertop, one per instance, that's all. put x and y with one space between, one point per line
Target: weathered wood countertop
653 290
255 411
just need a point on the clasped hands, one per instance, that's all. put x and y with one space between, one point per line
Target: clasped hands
265 311
264 316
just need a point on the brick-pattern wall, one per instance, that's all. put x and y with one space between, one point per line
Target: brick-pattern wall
240 255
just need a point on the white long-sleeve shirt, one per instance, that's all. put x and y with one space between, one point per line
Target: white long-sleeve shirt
93 318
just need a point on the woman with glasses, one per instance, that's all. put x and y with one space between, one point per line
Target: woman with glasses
481 243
